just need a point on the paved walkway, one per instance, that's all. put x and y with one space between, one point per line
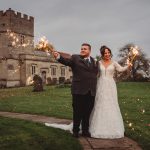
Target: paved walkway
87 143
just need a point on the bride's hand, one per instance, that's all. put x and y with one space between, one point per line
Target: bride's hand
130 65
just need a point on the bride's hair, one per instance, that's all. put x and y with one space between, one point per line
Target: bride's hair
102 50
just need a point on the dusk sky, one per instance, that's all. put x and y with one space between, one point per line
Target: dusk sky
69 23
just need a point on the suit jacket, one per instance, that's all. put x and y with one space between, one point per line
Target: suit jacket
84 76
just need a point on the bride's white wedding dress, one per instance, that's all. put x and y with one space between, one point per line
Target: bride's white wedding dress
106 120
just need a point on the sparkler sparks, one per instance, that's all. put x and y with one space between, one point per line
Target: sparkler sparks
132 54
130 124
132 129
125 114
44 45
143 111
15 40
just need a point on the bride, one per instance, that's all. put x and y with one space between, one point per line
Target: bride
106 119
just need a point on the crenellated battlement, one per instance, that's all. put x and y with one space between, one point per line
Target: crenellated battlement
16 33
16 15
16 22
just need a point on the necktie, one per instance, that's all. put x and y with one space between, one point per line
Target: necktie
88 62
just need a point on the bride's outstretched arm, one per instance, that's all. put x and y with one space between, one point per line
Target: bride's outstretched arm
119 68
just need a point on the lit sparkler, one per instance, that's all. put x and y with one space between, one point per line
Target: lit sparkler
44 45
132 54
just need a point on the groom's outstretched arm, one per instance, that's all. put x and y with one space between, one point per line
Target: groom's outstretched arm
62 60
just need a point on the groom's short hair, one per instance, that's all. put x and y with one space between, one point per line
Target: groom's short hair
86 44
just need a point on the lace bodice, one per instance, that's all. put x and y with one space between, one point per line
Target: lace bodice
110 69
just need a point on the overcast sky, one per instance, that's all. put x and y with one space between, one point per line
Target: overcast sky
69 23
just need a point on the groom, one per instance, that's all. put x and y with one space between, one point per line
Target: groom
83 89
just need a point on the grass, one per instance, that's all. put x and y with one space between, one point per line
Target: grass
134 100
24 135
51 102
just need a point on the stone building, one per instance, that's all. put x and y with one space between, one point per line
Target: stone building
19 62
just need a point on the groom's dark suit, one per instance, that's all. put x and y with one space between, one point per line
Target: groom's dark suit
83 89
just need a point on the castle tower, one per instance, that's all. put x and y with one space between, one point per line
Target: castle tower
16 39
16 34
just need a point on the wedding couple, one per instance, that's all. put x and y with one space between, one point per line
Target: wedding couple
95 104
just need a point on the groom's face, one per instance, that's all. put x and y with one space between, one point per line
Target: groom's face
85 51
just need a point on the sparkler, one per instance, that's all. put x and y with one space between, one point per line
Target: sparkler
44 45
132 54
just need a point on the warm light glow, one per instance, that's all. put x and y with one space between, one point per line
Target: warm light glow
130 124
143 111
135 51
132 54
44 45
14 39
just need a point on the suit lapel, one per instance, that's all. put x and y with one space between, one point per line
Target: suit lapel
83 60
86 65
92 62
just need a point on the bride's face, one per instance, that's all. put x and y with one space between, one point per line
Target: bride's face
107 54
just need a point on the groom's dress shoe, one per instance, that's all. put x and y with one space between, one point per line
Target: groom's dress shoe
75 134
86 134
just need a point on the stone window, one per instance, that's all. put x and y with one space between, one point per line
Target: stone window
22 41
10 67
3 24
53 71
33 69
62 71
70 70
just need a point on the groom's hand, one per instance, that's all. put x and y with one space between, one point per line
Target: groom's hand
56 55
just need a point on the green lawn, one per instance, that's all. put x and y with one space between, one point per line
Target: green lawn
24 135
134 100
51 102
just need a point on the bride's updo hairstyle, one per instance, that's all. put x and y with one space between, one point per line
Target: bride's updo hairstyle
102 50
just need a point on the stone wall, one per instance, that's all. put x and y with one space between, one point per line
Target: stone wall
44 66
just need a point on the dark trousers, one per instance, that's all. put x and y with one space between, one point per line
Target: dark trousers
82 107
